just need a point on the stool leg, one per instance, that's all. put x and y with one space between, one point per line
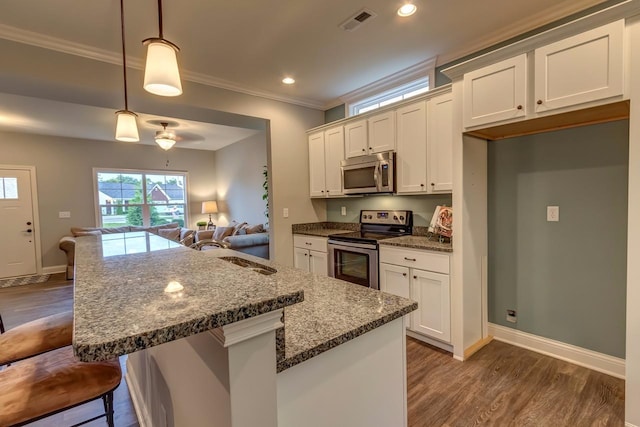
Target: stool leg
108 407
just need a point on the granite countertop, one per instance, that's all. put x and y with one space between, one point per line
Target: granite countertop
417 242
122 303
324 229
127 294
332 313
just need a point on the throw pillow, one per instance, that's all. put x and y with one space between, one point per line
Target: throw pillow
252 229
237 228
222 232
170 233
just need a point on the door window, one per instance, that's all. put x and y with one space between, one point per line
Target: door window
8 188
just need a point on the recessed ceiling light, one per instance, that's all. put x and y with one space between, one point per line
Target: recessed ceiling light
407 10
288 81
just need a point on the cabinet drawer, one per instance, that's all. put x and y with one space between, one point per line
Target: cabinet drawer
416 259
310 242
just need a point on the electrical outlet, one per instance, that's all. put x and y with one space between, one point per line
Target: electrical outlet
65 214
343 211
553 213
511 316
285 212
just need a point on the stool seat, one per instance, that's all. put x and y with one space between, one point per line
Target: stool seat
52 382
38 336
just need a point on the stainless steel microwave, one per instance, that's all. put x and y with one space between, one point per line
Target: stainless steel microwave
369 174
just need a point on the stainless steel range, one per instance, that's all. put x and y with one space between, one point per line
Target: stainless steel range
354 256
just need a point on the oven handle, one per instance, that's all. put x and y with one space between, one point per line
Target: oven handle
351 244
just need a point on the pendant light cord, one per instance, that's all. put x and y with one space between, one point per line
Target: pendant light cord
160 18
124 57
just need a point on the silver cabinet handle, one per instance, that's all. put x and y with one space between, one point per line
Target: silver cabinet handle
410 259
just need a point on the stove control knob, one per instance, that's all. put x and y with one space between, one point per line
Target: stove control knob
401 218
370 217
395 217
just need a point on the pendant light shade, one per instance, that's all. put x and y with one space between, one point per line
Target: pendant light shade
161 73
126 126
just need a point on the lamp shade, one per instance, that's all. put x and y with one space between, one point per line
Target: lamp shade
161 74
210 207
126 126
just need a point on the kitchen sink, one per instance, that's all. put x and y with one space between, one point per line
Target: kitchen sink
254 266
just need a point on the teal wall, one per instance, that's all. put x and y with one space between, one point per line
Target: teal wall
422 206
566 279
333 114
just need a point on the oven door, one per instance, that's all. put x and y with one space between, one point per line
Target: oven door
354 262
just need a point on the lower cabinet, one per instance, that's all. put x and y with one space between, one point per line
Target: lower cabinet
408 277
310 254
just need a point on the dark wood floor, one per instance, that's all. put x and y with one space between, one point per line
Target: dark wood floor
501 385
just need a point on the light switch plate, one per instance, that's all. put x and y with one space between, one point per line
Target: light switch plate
553 213
285 212
64 214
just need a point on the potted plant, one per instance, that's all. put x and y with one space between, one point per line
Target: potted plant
202 225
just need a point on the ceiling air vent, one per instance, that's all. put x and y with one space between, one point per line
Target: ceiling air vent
354 22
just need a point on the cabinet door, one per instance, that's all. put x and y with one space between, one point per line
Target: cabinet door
440 144
411 160
334 154
355 139
495 93
382 132
316 165
301 259
432 318
395 280
582 68
318 263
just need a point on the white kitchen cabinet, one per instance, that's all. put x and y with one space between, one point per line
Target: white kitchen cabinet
316 165
326 151
411 141
382 132
496 92
583 68
422 276
433 317
355 138
310 254
440 144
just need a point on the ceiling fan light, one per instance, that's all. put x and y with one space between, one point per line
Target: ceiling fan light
165 143
161 73
126 126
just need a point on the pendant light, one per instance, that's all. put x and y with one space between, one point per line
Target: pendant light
165 138
126 126
161 73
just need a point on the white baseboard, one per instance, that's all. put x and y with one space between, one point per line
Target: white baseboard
142 413
606 364
54 269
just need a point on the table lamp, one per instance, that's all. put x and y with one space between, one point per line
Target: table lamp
210 207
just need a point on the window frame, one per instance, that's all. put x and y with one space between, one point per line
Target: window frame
355 108
146 211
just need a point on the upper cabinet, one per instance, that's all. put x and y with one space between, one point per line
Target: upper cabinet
440 144
369 136
587 67
495 93
577 72
411 160
326 151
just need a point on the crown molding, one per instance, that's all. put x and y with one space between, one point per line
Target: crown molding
421 69
19 35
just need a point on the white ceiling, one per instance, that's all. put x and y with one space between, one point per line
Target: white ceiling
251 45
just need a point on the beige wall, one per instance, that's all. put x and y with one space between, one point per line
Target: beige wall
239 180
64 170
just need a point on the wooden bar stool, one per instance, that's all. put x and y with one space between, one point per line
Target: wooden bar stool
45 378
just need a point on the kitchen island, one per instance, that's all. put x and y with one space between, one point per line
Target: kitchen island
217 343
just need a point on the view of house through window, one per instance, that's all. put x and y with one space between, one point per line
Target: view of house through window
140 198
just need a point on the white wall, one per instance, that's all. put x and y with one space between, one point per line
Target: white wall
239 177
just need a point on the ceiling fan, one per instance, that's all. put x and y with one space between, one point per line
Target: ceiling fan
165 138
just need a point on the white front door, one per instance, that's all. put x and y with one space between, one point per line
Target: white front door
17 246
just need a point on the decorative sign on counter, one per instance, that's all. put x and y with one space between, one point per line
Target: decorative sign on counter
442 221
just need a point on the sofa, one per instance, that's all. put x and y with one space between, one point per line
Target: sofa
241 237
171 231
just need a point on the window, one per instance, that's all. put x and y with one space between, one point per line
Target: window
396 94
8 188
142 198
